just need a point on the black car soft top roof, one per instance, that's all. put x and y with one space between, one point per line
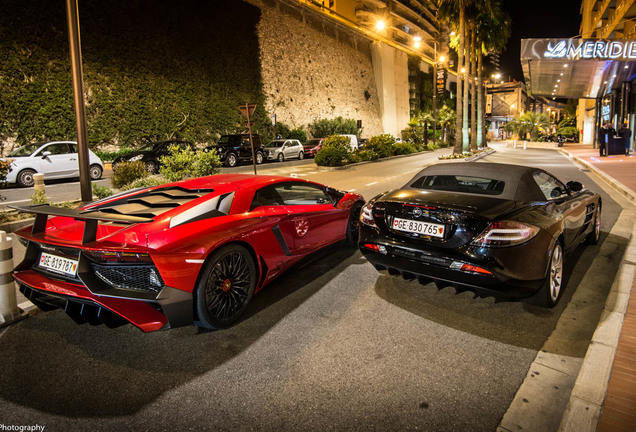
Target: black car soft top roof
517 178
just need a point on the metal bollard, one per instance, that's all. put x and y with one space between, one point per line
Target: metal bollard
514 144
9 311
525 145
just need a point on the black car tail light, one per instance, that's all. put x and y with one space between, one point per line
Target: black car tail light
505 233
374 247
366 215
469 268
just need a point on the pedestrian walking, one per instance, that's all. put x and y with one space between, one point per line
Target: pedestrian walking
626 134
602 140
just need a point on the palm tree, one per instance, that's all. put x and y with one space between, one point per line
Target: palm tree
454 11
493 29
446 118
473 74
532 123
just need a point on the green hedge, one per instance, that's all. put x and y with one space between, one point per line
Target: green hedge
176 69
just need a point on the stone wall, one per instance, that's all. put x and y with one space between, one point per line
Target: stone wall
312 71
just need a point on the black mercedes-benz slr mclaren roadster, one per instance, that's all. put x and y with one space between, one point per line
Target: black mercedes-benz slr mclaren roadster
502 227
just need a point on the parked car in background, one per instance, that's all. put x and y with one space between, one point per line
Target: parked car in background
236 148
183 253
505 228
283 149
56 160
353 140
151 153
313 146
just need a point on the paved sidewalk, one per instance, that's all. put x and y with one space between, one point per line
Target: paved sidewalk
613 406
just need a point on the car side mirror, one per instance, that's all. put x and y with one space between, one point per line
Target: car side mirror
46 154
574 186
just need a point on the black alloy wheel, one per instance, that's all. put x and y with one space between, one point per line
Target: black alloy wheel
281 157
353 224
232 160
226 286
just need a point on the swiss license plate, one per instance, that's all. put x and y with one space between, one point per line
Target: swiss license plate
417 227
58 264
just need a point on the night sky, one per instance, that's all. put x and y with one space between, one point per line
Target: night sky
537 19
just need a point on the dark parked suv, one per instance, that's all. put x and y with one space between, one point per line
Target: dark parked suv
233 149
151 153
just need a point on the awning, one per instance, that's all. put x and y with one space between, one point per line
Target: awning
577 68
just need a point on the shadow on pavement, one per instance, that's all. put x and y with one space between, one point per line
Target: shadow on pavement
502 319
55 366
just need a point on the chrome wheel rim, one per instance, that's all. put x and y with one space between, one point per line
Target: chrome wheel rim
556 273
231 160
26 178
96 173
228 285
597 224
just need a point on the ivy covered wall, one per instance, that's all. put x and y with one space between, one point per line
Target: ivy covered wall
152 70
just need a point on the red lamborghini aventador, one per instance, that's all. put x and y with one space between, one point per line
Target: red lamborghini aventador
188 252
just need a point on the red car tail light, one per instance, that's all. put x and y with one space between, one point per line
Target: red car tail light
505 233
120 257
366 215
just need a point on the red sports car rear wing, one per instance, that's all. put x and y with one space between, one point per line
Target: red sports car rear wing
90 217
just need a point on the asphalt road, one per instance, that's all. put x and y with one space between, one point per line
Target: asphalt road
332 345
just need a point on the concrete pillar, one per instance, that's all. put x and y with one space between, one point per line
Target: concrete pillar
9 311
38 184
390 68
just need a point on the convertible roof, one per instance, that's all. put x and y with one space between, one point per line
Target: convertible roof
515 177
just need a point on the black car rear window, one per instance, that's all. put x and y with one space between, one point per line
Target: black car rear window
459 183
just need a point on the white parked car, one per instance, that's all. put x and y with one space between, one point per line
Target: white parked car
56 160
284 149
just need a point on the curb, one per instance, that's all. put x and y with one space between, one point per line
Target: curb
590 388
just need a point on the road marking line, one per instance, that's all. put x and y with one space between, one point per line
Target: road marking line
371 184
14 202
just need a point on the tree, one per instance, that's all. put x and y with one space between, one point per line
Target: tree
493 30
453 11
532 123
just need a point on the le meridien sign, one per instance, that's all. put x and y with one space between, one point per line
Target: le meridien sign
577 49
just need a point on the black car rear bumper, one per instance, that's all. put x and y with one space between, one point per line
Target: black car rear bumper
514 271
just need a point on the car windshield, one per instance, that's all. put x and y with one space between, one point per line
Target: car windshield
274 144
314 142
26 150
460 183
148 147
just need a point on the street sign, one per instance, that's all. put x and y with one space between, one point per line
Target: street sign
440 81
247 109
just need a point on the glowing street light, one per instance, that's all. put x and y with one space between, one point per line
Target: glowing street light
380 25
